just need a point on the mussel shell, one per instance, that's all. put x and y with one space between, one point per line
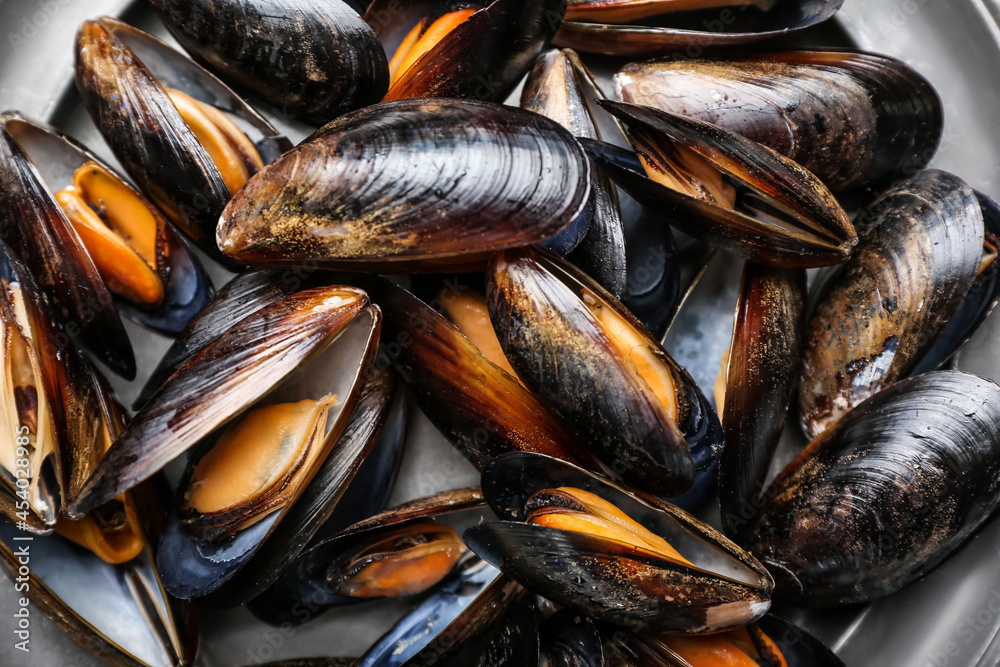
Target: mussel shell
798 647
849 117
33 224
190 569
697 31
243 295
483 58
481 409
562 353
314 60
653 273
815 231
607 579
305 581
882 312
762 375
56 156
874 503
569 639
119 72
225 378
410 185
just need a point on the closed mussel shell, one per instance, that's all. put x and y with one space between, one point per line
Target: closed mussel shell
129 82
599 370
414 185
898 484
880 314
849 117
314 60
711 586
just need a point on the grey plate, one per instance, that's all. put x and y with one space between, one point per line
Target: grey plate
950 619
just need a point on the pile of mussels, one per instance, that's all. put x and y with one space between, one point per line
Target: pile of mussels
533 334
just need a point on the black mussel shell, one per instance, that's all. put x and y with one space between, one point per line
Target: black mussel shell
314 60
897 485
428 185
922 243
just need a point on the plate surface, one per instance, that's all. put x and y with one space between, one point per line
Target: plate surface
949 619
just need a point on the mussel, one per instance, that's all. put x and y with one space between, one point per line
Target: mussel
314 60
727 190
187 140
144 262
851 118
410 185
253 373
761 373
561 87
596 368
620 556
875 502
921 249
400 552
466 50
684 28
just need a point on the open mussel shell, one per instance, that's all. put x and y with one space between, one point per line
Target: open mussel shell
36 228
314 338
479 407
321 577
729 191
122 74
191 568
56 157
879 315
596 368
741 196
898 484
414 185
849 117
314 60
561 87
119 614
483 57
689 33
720 586
761 377
243 295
